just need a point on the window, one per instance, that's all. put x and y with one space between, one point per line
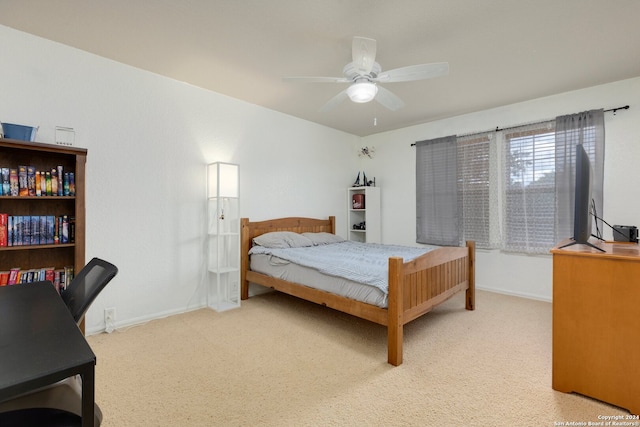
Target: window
529 188
476 169
514 186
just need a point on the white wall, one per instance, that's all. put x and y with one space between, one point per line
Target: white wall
149 139
394 166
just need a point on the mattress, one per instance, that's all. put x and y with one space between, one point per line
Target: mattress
274 266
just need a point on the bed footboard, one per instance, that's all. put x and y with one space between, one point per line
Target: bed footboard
417 286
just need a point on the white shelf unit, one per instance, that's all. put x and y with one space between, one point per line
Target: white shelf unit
370 215
223 235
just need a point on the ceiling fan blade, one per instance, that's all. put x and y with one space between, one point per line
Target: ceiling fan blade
334 102
363 52
388 99
316 80
414 72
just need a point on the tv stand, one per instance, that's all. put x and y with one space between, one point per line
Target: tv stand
573 242
596 350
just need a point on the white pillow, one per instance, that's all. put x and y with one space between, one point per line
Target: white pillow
282 239
323 238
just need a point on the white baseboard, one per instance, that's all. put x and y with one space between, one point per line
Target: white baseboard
142 319
256 290
515 294
253 290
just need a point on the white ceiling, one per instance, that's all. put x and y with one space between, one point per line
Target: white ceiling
499 51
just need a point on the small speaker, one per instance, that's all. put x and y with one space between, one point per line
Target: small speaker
625 233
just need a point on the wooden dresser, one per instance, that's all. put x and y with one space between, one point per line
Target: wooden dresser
596 322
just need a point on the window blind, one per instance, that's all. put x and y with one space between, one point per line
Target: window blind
529 188
476 192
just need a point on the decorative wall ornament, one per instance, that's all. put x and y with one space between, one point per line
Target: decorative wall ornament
367 152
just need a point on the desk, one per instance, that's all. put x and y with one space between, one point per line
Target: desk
41 344
596 323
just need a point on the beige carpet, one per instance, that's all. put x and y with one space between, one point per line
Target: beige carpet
280 361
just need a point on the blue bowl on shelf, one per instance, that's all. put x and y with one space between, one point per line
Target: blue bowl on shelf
21 132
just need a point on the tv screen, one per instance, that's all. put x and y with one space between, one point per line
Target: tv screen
581 217
582 200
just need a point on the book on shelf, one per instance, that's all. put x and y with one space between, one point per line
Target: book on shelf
59 277
72 229
68 276
60 172
26 180
49 229
49 274
54 182
4 278
48 183
65 184
64 229
32 230
31 180
23 186
38 185
26 230
15 235
6 183
14 185
14 274
72 184
4 229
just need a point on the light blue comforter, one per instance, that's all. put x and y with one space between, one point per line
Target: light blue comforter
360 262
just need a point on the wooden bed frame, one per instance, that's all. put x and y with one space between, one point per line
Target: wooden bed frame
415 287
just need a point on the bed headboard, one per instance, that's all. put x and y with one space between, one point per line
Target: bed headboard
249 230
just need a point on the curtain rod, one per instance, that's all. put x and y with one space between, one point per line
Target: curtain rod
497 129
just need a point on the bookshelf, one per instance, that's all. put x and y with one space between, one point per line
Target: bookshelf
223 236
39 253
369 214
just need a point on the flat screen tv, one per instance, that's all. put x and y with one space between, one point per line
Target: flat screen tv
582 200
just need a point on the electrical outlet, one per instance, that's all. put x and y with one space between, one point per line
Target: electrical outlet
110 319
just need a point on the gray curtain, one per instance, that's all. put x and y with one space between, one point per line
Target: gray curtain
585 128
438 215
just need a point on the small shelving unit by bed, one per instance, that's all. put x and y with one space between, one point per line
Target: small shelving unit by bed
369 215
223 235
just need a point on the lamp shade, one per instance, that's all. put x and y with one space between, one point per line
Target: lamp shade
223 180
362 91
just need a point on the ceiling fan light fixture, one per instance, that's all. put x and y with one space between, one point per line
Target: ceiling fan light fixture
362 91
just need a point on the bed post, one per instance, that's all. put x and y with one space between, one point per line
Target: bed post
471 290
395 322
332 222
245 245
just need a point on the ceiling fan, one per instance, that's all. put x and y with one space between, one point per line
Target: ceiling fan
364 75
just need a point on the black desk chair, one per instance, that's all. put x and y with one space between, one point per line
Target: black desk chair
86 285
60 404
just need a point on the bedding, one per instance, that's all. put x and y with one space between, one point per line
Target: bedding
323 238
282 239
279 268
365 263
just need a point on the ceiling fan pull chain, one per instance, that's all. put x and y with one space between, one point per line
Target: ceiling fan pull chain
375 115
